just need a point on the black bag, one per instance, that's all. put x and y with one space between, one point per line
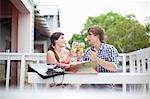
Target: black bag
55 70
50 70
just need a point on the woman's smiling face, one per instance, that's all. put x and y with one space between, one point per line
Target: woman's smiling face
60 41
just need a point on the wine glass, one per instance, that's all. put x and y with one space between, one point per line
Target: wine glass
75 46
81 46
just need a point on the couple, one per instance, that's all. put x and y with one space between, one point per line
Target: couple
104 54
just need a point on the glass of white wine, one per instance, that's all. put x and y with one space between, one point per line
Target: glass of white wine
81 46
75 46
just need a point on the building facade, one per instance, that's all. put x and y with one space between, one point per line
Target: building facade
24 28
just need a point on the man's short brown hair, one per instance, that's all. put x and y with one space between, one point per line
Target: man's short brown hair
97 30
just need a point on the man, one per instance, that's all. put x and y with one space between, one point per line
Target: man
104 54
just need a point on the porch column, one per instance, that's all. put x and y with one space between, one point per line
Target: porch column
14 39
26 32
25 42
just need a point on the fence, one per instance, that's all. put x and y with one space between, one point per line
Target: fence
139 62
23 58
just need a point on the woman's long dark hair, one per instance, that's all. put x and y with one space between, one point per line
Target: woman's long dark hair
55 36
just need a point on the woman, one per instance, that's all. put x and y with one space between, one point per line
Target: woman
56 51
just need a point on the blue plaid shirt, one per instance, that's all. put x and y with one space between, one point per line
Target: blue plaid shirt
106 52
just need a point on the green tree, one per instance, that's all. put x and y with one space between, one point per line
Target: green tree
124 32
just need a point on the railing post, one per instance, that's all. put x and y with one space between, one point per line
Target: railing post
124 63
8 72
22 72
131 63
148 63
138 58
148 88
124 71
143 63
38 60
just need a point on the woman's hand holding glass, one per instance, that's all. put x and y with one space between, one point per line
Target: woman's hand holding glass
73 51
78 49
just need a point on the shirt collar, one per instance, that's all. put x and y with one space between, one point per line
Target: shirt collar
101 46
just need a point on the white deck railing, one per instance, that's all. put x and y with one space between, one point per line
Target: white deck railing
139 61
23 57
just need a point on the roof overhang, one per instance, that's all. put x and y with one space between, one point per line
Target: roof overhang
23 6
41 24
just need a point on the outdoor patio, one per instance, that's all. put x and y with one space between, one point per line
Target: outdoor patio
134 77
